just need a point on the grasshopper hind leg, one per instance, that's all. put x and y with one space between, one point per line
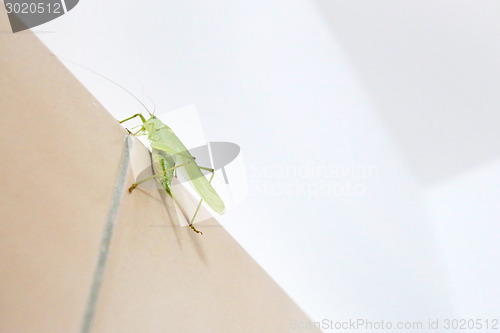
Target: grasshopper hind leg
199 204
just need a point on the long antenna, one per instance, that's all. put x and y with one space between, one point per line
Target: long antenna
108 79
152 101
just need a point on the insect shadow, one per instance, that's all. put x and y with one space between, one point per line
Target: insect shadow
223 153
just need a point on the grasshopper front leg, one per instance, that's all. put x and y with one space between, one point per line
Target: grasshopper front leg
135 115
129 118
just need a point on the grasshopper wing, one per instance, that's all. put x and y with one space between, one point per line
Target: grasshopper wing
191 171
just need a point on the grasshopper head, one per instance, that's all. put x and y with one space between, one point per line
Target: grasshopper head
154 124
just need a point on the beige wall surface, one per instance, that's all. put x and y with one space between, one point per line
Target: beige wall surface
61 152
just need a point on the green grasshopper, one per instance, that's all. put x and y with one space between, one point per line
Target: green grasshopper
169 154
